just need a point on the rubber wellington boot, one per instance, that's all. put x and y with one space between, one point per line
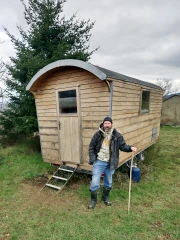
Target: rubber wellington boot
93 200
105 195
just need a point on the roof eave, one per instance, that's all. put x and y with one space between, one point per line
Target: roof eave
147 84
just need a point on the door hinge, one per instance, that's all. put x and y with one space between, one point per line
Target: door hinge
59 125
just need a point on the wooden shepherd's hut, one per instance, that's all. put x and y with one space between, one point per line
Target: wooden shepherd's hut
73 97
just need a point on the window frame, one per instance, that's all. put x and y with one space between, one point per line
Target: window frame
140 107
58 101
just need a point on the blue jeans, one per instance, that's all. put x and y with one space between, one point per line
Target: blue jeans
99 168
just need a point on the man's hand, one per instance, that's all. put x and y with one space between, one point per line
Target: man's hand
134 149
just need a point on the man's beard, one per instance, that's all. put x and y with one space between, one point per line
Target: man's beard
107 129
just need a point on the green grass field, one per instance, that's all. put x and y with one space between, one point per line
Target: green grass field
27 213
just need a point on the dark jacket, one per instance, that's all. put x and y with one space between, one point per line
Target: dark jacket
117 143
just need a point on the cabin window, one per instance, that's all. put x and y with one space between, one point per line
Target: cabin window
145 101
67 102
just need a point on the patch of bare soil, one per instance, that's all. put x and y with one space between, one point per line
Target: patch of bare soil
157 224
33 194
6 237
39 181
164 237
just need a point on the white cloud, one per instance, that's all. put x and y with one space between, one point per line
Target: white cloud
137 38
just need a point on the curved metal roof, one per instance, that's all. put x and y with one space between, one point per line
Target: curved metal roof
67 62
100 72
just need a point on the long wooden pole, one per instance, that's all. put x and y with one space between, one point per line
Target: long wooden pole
130 183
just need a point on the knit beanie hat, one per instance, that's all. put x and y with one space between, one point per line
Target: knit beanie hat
107 119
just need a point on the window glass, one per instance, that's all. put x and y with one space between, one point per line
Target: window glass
67 102
145 103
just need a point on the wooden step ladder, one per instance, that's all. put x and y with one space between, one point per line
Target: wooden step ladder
61 177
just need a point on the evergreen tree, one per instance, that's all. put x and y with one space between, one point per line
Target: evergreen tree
50 37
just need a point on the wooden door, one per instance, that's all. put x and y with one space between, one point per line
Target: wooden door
69 125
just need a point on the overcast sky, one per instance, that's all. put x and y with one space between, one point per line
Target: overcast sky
137 38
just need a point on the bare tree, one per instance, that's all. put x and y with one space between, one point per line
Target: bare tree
167 85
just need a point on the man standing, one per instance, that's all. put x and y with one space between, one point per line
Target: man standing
104 156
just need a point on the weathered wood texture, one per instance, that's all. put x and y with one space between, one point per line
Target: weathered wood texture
70 147
127 119
94 105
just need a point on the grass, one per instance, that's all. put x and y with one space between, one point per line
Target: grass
27 213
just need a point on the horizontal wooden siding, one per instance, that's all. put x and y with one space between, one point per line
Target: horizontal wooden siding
136 127
94 105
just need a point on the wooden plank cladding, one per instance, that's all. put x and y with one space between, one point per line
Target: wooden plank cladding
135 126
91 96
50 154
50 145
48 123
94 104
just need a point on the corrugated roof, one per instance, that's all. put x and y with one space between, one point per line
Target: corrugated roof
170 96
120 76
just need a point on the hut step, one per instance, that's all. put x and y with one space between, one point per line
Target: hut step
66 170
58 177
61 178
53 186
